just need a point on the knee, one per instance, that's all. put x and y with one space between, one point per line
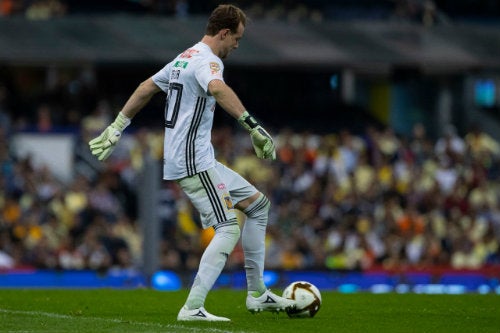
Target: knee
259 207
230 232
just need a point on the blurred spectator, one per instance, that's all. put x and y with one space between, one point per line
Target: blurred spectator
421 11
482 146
11 7
446 175
98 118
450 146
45 9
6 261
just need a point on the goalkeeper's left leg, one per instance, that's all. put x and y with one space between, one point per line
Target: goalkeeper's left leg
253 241
256 206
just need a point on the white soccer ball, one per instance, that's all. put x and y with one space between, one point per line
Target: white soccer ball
306 295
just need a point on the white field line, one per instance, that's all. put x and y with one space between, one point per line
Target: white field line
169 327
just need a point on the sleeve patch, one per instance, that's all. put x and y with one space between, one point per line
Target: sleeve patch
214 68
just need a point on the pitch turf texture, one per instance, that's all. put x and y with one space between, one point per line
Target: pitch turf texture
145 310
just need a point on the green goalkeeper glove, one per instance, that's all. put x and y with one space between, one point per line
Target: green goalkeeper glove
261 140
104 144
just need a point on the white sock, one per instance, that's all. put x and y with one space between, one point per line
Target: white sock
212 262
253 241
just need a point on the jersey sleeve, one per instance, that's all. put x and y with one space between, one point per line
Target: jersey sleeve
161 78
208 70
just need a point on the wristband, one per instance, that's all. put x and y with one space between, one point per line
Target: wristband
247 121
121 122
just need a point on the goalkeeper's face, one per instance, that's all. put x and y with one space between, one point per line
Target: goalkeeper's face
231 41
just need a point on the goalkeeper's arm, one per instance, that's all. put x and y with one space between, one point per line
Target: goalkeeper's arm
262 142
103 145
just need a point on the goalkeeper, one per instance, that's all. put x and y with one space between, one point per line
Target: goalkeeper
193 83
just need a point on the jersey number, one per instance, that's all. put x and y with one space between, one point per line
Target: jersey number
174 96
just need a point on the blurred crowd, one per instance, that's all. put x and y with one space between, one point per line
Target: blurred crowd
423 11
339 201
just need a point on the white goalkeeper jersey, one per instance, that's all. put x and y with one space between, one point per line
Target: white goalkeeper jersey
189 111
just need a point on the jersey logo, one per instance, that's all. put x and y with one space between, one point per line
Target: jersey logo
182 64
188 53
199 314
214 68
269 299
228 201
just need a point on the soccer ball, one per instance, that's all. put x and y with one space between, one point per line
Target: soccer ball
306 295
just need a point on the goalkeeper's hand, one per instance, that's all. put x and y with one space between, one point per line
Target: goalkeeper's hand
104 144
261 140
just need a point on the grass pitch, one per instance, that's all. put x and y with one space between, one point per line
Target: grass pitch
144 310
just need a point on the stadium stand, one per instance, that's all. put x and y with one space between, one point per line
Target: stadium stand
360 196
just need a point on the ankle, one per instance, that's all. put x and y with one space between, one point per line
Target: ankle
255 293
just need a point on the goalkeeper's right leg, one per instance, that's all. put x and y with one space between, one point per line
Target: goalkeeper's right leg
207 192
211 264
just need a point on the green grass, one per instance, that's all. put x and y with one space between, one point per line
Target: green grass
144 310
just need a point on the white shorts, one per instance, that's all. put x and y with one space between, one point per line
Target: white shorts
215 192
